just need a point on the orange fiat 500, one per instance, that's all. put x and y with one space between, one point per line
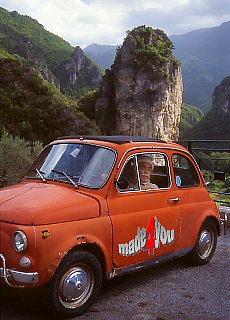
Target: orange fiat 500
97 207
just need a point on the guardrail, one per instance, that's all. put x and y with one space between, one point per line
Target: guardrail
212 155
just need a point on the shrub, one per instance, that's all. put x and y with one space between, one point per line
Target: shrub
16 156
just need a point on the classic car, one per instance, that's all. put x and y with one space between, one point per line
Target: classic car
94 207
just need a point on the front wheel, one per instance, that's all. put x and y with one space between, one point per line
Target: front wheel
205 245
76 284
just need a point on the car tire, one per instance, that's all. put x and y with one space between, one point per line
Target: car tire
205 245
75 284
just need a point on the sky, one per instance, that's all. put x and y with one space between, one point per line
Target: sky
83 22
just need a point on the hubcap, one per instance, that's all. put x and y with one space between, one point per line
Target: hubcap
76 286
205 243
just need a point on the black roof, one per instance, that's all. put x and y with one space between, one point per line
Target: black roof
115 139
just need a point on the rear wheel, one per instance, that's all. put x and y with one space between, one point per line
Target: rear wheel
76 284
205 245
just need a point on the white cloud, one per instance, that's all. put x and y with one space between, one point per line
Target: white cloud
82 22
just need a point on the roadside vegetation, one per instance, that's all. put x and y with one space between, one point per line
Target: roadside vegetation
16 156
218 190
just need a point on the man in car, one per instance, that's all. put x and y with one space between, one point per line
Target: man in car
146 167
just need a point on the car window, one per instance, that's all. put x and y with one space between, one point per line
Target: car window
145 171
184 172
82 164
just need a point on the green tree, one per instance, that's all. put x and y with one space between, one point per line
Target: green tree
16 156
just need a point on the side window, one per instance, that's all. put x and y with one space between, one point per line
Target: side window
128 180
145 171
184 172
160 172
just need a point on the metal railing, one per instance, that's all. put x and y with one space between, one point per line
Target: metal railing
212 155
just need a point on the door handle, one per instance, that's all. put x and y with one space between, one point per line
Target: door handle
174 200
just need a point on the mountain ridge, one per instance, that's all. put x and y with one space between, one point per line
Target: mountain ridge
48 52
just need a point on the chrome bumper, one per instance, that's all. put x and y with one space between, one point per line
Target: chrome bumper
9 275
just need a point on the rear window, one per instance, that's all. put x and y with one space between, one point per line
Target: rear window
184 172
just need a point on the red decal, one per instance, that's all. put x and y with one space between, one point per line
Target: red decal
150 236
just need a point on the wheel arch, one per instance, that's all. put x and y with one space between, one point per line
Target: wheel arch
93 249
215 221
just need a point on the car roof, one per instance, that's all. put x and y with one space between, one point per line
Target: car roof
122 143
118 139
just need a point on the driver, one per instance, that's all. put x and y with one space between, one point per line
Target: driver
146 167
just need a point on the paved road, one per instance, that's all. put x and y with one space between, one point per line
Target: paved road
173 291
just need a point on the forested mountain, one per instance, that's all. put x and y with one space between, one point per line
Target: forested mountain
190 116
205 58
25 36
50 54
34 109
215 124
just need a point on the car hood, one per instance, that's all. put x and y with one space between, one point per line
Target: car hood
44 203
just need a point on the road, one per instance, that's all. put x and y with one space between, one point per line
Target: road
173 291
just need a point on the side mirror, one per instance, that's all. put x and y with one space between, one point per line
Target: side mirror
219 175
123 183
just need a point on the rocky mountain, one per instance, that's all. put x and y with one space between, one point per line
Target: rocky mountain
32 108
78 74
50 54
215 125
142 93
204 56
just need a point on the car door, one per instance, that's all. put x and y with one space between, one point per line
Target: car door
195 202
146 222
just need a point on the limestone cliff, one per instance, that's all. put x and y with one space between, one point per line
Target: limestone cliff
215 124
79 73
47 74
221 99
142 93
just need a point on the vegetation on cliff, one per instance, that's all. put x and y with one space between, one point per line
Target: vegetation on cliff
190 116
153 50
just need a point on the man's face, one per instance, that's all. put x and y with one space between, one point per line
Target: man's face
145 169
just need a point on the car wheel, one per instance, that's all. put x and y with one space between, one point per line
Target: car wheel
205 245
76 284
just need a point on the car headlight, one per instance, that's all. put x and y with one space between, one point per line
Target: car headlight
19 241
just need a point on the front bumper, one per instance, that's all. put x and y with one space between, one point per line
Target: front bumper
17 277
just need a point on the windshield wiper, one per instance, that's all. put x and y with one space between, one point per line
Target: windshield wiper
67 176
41 174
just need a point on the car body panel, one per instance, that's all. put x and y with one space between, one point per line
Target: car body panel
42 203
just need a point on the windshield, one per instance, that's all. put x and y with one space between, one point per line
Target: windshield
79 164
